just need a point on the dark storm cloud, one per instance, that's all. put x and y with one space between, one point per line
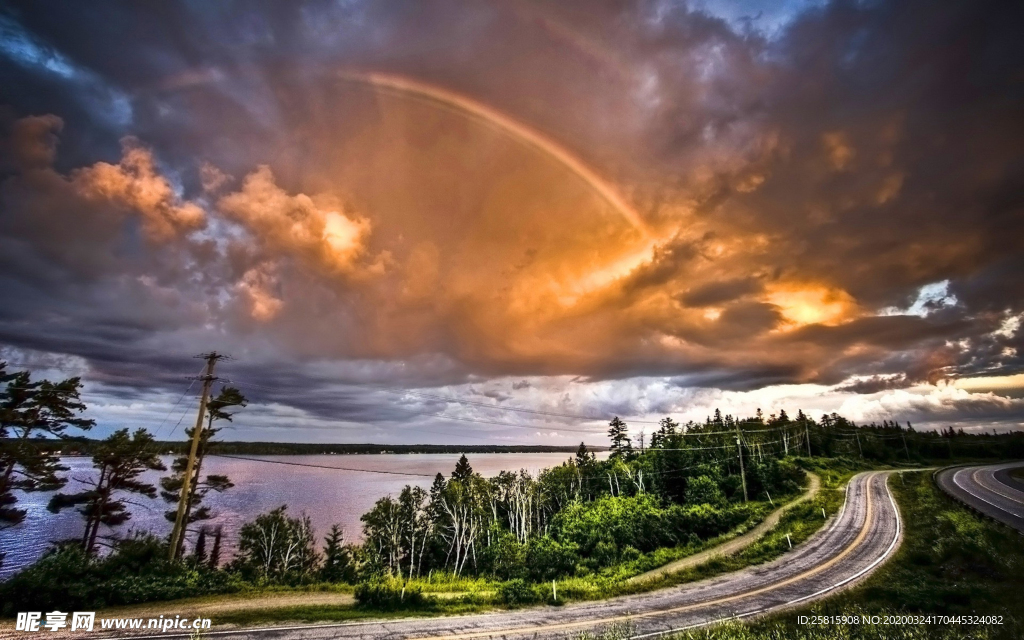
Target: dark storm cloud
797 184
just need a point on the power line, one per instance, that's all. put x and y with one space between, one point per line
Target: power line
319 466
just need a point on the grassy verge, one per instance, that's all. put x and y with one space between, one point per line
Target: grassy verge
951 563
330 613
781 631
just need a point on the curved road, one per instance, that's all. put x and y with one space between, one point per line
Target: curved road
865 533
988 489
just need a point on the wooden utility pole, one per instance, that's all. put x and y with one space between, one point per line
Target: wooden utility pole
178 532
807 436
859 448
743 474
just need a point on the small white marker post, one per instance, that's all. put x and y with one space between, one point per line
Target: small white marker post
770 498
823 513
789 541
554 591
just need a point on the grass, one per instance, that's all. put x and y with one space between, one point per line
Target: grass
328 613
782 631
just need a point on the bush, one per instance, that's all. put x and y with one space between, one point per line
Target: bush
704 490
547 559
136 571
636 520
505 558
388 594
515 592
705 521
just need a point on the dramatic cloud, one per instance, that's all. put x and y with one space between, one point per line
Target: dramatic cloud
584 208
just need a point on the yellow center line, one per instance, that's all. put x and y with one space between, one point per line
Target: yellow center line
660 612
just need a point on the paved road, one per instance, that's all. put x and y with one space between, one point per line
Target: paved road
865 533
987 489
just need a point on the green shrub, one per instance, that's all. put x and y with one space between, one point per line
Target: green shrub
136 571
704 490
547 559
388 594
505 558
516 592
622 520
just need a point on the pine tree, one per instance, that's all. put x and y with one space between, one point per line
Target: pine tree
199 554
30 409
584 457
667 429
336 556
462 469
621 446
120 460
215 553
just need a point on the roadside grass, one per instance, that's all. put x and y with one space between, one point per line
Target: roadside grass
781 631
951 563
345 613
1017 473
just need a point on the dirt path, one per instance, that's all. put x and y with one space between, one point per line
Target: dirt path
732 546
209 607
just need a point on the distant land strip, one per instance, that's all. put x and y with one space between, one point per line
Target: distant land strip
87 446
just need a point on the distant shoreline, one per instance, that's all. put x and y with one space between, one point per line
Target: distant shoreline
86 446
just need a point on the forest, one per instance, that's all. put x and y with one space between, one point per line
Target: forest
684 485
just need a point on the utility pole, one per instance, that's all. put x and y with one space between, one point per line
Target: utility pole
859 448
743 474
807 436
902 435
178 532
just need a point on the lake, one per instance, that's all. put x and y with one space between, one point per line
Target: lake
328 495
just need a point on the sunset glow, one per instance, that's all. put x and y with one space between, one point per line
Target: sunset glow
574 208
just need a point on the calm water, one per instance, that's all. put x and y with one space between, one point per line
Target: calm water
328 495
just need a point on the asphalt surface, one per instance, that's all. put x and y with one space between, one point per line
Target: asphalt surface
988 489
865 533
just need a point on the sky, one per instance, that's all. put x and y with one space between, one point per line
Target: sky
442 221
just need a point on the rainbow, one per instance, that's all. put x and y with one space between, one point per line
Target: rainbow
489 116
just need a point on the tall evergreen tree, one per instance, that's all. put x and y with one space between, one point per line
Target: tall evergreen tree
337 559
584 457
463 471
215 552
621 446
120 460
667 430
32 409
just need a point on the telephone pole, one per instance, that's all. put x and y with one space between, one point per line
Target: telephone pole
178 532
743 474
859 448
807 436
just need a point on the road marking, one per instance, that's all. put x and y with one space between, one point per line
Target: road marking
988 487
968 491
